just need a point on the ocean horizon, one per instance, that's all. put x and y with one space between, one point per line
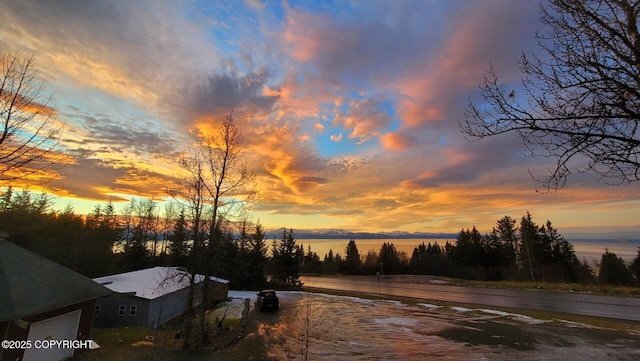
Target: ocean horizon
585 249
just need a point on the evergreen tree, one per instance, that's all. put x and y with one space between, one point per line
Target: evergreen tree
287 261
527 255
178 247
635 267
331 263
257 258
419 260
311 263
506 234
352 263
371 265
468 253
614 271
389 259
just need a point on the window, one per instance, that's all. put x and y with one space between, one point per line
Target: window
121 310
96 310
132 310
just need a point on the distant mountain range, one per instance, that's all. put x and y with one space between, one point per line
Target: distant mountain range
344 234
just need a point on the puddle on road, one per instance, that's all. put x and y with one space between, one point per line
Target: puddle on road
349 328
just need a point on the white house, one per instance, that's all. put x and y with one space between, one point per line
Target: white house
148 297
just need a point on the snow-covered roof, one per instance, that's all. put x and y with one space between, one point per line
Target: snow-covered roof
151 283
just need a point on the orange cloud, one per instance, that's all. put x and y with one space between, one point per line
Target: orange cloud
395 141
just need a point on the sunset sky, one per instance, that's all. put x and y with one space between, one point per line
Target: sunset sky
349 109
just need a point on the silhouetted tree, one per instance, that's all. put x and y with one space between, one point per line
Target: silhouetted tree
257 258
178 247
563 264
581 99
287 261
61 236
228 183
614 271
527 254
352 262
467 255
506 234
371 265
419 260
635 266
311 263
389 259
28 132
331 263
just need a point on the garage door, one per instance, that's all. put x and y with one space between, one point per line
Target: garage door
63 327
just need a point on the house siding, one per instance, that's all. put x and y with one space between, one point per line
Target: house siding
167 307
150 313
109 311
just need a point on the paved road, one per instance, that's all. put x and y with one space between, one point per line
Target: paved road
625 308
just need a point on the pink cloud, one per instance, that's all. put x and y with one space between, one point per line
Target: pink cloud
396 141
364 118
481 34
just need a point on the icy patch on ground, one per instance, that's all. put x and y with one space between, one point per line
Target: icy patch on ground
438 282
242 294
396 321
346 298
395 303
461 309
515 316
230 309
429 306
577 324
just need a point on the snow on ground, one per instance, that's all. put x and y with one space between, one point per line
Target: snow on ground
515 316
429 306
234 305
577 324
242 294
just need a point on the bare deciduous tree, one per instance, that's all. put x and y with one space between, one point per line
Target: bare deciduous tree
228 183
218 182
28 131
582 96
191 193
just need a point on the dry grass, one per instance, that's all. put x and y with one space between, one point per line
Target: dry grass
553 287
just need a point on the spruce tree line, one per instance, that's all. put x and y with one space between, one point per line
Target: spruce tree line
513 251
106 242
140 236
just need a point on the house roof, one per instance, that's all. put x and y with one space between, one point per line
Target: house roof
151 283
31 284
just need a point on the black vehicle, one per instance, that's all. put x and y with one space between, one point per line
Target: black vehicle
267 300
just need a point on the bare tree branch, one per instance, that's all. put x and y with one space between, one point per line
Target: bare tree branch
582 98
28 132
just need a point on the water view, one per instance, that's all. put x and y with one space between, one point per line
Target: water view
591 250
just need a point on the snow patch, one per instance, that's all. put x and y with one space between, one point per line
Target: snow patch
577 324
515 316
241 294
428 305
461 309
